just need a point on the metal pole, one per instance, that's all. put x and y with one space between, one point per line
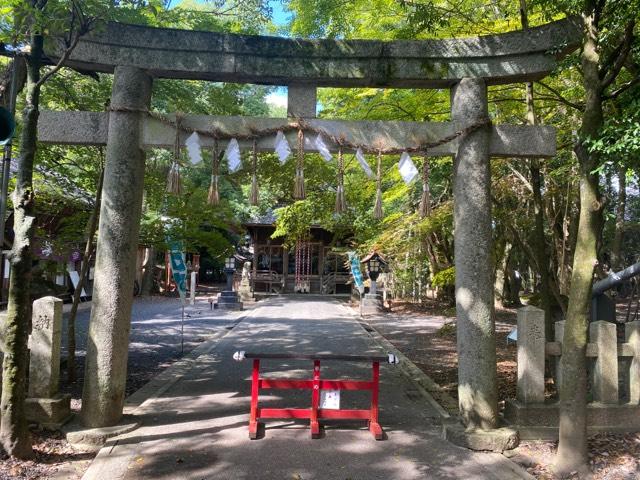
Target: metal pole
6 163
182 331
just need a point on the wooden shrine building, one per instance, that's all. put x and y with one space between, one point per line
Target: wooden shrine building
317 266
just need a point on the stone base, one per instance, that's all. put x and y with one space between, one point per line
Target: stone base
540 421
497 440
92 439
228 301
371 304
49 413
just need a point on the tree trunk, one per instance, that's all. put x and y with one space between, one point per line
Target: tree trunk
617 262
14 434
146 288
500 282
84 269
538 238
572 447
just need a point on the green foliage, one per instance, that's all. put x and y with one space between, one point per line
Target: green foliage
445 278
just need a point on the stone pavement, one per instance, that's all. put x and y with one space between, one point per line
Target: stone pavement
155 336
197 427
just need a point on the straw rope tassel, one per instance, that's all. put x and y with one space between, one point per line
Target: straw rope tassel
425 200
298 187
378 214
253 198
174 182
341 204
214 195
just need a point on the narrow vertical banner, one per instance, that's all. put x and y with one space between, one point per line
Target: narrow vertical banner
178 269
354 261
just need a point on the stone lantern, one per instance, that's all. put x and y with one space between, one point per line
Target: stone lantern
228 299
375 264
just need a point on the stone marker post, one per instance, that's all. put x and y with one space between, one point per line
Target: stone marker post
477 377
44 403
632 334
108 342
192 291
558 336
531 345
605 369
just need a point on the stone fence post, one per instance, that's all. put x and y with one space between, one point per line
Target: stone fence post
558 337
604 382
45 405
531 355
632 335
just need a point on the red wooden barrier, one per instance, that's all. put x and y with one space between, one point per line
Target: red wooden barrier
315 414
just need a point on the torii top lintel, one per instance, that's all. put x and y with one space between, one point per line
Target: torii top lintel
523 55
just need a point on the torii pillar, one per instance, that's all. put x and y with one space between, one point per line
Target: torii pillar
108 343
477 378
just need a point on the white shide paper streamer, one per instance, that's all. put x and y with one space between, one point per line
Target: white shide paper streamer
407 169
193 148
281 147
233 155
363 163
323 150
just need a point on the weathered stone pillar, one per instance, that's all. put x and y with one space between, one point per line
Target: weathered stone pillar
107 348
477 384
605 369
531 345
632 335
558 337
301 101
46 337
44 404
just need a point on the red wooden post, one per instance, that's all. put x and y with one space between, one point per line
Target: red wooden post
374 426
315 400
253 419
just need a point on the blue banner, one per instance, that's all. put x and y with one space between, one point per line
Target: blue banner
354 260
178 268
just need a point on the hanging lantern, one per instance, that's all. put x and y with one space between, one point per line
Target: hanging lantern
298 185
425 200
378 213
253 197
214 196
341 205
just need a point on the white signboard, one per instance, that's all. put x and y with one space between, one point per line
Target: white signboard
330 399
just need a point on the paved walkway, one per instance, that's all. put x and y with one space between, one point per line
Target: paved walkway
197 428
155 337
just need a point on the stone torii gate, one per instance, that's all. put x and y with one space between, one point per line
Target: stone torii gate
136 55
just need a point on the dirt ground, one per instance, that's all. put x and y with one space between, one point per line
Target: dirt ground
433 350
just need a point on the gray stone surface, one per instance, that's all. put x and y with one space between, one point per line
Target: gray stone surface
51 412
542 419
632 335
106 365
92 439
198 427
531 355
496 440
505 58
604 374
46 338
371 304
301 101
558 336
477 377
90 128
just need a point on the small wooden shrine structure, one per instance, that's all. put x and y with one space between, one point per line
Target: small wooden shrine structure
316 266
